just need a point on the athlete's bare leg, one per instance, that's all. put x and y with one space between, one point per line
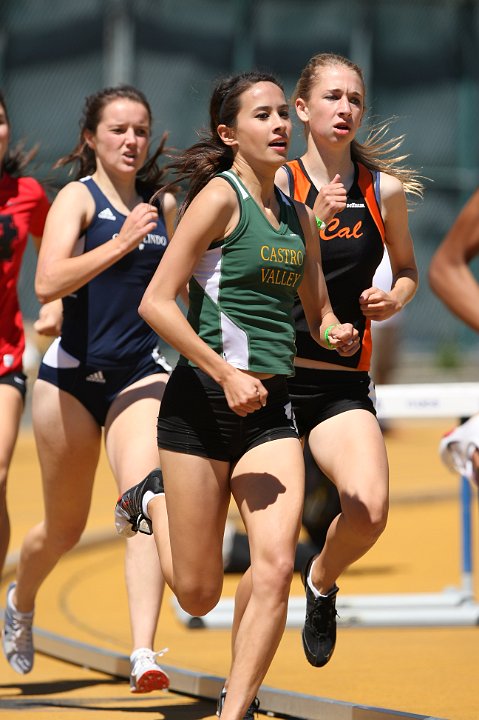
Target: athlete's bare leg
349 448
11 403
68 443
130 432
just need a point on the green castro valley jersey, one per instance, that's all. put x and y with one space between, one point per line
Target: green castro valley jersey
242 292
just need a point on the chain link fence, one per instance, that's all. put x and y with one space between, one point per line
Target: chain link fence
419 59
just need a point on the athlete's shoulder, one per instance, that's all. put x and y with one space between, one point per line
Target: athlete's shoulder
169 207
169 202
219 191
210 214
29 183
73 200
76 189
281 179
390 185
31 187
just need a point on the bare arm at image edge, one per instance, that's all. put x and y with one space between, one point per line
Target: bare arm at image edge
450 276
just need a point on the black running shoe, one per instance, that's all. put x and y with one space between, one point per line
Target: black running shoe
319 631
249 714
129 517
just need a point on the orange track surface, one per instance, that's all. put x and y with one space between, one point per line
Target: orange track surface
417 670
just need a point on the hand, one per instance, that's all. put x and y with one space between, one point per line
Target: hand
141 221
345 339
244 393
377 304
331 200
50 319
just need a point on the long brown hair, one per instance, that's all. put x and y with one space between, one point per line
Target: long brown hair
199 163
150 177
377 151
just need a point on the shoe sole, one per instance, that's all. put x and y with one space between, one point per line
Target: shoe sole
122 523
313 661
150 681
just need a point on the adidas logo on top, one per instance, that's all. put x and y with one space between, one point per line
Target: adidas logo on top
96 377
106 214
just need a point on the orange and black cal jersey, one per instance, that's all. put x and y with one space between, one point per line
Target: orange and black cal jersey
352 247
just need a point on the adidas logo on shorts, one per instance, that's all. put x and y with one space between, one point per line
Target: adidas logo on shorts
96 377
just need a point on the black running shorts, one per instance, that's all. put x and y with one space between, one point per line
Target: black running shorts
195 418
16 379
318 395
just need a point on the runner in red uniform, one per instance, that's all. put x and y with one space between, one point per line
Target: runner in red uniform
23 210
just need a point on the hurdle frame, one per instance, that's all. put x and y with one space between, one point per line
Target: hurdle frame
452 606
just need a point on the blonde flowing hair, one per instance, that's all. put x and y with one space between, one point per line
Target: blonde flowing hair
378 152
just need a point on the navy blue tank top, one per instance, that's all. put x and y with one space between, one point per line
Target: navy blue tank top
101 325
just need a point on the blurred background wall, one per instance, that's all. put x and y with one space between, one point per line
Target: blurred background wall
420 59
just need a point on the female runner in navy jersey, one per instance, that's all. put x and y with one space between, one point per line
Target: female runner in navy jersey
102 244
358 194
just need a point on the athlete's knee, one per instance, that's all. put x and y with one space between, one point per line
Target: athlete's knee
62 540
198 598
376 522
367 518
272 578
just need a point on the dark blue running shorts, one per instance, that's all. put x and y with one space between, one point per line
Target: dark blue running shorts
96 388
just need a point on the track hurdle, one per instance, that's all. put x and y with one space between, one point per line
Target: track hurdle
451 607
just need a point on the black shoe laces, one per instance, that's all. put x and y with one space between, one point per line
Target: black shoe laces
322 616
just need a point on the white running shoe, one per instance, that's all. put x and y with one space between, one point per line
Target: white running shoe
17 636
458 446
146 675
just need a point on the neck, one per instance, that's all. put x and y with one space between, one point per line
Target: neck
323 164
120 188
259 183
